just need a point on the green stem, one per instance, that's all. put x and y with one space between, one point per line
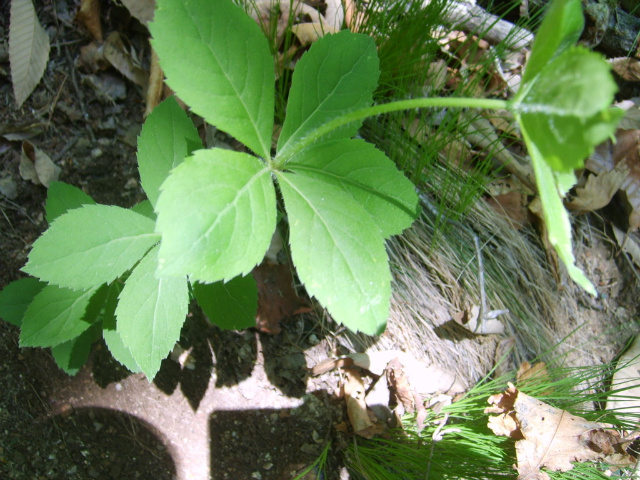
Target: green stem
440 102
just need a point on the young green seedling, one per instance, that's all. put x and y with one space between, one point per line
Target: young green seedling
211 213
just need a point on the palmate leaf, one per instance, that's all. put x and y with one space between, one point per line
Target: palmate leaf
231 305
217 60
55 316
167 137
338 252
150 313
231 205
365 174
337 75
91 245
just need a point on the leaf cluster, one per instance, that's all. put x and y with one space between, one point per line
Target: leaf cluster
129 274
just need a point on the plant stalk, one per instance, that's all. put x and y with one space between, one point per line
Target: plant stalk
357 115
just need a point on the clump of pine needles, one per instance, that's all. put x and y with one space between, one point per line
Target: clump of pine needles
457 444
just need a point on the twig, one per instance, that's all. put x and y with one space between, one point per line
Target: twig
474 19
483 315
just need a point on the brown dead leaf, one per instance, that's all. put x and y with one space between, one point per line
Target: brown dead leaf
92 58
122 59
399 384
527 372
354 394
36 166
598 190
155 86
626 67
89 16
512 206
141 10
608 155
549 437
277 299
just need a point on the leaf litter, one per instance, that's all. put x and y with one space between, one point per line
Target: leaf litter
548 437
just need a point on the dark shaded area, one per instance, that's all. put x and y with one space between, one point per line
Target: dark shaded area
293 438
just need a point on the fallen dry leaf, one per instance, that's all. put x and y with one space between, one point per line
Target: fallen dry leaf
122 59
89 15
142 10
28 49
36 166
527 372
277 299
608 155
549 437
354 394
155 86
627 68
598 190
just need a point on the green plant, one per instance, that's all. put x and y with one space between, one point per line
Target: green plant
211 213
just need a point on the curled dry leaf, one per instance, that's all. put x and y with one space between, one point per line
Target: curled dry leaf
626 150
599 189
277 299
36 166
549 437
123 60
89 16
354 394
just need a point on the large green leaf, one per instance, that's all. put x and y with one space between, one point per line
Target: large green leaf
167 137
231 305
217 60
72 355
563 112
337 75
55 316
16 297
551 188
231 205
150 313
560 30
62 197
366 174
91 245
338 252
